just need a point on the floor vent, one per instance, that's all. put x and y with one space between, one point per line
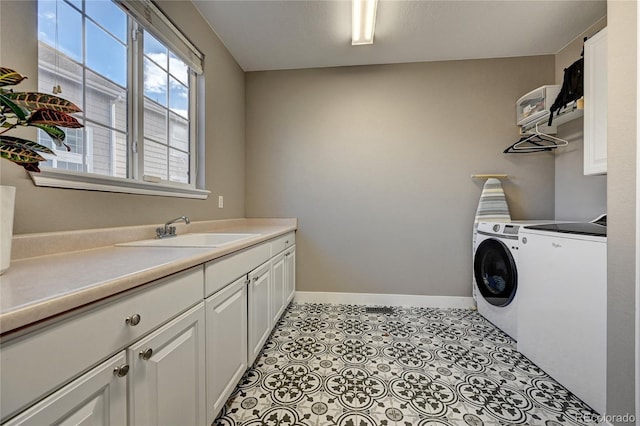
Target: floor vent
379 310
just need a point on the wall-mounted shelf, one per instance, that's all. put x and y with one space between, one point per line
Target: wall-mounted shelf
571 112
489 176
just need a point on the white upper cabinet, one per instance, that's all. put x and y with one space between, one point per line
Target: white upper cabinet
595 104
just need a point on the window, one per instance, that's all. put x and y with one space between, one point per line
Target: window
137 84
166 113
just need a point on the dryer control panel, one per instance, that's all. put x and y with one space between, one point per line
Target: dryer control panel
511 229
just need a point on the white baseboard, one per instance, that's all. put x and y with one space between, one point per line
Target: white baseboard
404 300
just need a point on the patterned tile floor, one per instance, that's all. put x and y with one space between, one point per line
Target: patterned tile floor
339 365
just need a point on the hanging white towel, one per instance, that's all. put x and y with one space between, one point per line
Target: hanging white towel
492 207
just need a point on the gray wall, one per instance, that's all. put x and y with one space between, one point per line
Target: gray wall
375 163
621 200
577 197
48 209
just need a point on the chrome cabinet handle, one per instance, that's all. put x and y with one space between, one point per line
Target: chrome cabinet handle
121 370
146 354
247 282
286 242
255 279
133 320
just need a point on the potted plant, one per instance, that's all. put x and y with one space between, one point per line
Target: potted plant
26 109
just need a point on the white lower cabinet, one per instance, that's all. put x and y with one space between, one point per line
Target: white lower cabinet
259 310
76 344
99 397
289 274
165 372
161 371
240 317
283 279
167 378
226 320
277 288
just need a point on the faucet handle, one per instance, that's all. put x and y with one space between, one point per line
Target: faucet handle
166 231
170 231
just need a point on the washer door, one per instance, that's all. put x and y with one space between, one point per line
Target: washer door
495 272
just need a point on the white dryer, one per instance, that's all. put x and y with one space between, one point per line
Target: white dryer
495 269
562 317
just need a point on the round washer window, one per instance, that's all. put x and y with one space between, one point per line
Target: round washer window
495 272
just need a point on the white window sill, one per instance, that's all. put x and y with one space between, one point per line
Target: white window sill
92 182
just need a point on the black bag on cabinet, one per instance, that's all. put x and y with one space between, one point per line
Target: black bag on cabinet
572 87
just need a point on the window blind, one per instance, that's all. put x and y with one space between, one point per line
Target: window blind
154 20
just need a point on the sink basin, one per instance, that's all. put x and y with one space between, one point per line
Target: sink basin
191 240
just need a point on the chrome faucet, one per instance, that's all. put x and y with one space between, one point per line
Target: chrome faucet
168 230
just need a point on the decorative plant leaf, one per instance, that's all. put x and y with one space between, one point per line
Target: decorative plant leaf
53 118
40 110
4 109
19 154
30 167
56 133
25 143
6 102
35 100
9 77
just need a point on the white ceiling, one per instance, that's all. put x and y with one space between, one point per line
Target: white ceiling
289 34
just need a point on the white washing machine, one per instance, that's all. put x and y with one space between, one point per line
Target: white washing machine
495 269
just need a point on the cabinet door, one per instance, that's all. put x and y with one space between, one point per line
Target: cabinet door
290 274
168 373
98 397
277 288
226 316
259 312
595 104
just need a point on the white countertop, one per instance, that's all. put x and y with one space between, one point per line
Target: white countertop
41 287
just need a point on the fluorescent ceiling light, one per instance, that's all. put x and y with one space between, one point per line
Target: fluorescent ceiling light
363 21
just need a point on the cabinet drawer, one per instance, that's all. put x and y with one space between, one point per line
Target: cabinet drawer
221 272
38 363
282 243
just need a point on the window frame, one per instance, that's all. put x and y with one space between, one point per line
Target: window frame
136 182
